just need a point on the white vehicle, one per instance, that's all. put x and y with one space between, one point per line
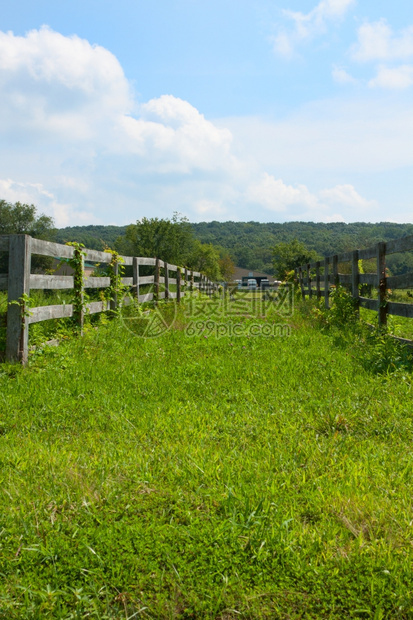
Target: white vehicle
252 283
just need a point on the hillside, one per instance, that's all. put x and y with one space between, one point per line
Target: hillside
94 237
250 243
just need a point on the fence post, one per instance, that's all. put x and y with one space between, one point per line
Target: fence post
165 266
326 283
317 278
178 285
17 338
310 290
381 281
156 281
192 281
81 291
355 277
136 277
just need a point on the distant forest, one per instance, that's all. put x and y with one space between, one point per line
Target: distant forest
250 243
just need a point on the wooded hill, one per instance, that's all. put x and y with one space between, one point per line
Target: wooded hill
250 243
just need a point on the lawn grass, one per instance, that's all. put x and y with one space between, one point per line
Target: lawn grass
203 477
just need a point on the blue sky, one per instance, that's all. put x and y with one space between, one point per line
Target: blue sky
233 109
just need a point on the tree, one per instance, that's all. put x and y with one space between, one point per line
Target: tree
170 240
205 258
22 219
289 255
226 265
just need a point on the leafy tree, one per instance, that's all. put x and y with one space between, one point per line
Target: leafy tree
291 254
226 265
22 219
171 240
205 258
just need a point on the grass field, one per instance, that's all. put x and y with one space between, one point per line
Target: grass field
208 477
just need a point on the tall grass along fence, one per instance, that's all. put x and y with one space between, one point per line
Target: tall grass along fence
167 282
316 279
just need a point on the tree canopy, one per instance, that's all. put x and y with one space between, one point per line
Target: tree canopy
172 240
21 218
250 244
289 255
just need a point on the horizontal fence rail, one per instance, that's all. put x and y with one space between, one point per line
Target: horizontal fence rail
19 281
313 283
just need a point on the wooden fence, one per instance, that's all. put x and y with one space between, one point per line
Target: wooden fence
19 281
314 283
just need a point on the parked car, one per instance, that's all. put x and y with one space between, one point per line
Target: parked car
252 284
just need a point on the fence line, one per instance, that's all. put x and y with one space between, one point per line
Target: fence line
353 280
19 281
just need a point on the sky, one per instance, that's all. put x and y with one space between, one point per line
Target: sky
243 110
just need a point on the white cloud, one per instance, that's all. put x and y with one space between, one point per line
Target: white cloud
395 78
274 194
77 144
44 200
345 196
59 87
378 42
308 25
210 209
173 136
62 88
341 76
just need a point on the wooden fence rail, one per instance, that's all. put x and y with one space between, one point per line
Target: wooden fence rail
352 280
19 281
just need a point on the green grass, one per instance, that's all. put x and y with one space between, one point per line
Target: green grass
196 477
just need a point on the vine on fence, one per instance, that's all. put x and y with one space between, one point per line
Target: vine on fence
80 298
116 271
24 302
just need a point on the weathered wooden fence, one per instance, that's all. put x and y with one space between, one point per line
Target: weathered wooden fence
19 281
315 283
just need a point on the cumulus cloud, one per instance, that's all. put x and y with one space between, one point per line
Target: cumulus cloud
345 196
63 88
75 142
341 76
45 201
306 26
394 78
275 195
210 208
173 136
377 41
60 87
